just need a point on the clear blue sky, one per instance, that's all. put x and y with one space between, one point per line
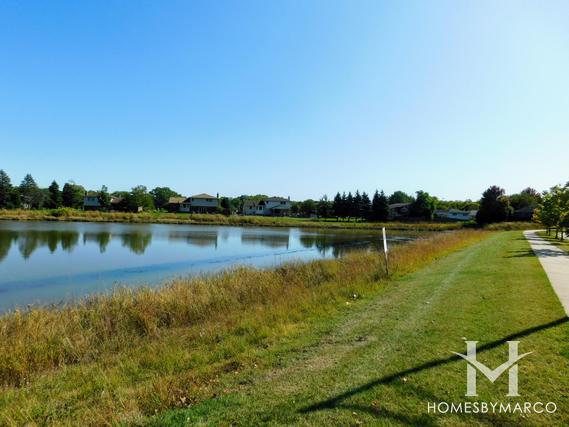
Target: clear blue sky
296 98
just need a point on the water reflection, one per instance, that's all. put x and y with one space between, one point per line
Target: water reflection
280 240
30 241
198 238
138 241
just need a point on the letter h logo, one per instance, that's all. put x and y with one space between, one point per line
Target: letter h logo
492 375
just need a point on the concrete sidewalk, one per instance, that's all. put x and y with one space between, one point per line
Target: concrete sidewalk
555 262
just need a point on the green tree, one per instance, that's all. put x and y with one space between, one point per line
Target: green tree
324 207
380 207
494 206
337 205
349 208
104 198
400 197
6 190
365 206
55 199
30 193
423 206
73 195
139 199
225 206
161 196
308 207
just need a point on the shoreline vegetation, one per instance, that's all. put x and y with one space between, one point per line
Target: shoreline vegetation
154 349
76 215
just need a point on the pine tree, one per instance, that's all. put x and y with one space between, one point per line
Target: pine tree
365 206
5 191
337 205
349 206
357 205
30 192
55 199
383 207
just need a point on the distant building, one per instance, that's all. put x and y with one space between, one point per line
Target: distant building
271 206
524 214
117 203
399 210
175 203
200 203
455 215
91 201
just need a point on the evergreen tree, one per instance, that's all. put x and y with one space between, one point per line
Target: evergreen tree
357 205
5 191
365 206
380 206
349 206
54 198
337 205
324 207
30 192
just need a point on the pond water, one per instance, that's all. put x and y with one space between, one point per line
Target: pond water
50 262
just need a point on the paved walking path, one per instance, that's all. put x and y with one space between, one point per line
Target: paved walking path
555 262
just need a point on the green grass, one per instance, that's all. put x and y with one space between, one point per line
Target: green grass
341 375
563 244
308 344
129 355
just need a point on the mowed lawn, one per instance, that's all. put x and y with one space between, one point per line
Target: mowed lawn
386 357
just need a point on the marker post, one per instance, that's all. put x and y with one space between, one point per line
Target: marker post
385 251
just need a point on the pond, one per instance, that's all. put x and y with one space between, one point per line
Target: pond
50 262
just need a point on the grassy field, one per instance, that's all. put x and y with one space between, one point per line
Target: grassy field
384 358
563 244
66 214
329 342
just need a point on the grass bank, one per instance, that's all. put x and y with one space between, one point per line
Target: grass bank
388 355
66 214
131 355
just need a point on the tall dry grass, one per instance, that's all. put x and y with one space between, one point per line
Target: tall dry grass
41 339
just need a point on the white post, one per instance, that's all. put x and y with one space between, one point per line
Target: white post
385 250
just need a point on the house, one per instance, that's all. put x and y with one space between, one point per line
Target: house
455 215
200 203
91 201
524 214
271 206
175 203
399 210
117 203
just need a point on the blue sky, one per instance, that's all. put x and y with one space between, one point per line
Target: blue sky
286 97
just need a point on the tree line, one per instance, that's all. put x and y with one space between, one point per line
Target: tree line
553 210
494 206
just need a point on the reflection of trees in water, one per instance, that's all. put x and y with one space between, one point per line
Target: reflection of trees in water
102 239
338 244
202 238
29 241
6 238
270 240
137 242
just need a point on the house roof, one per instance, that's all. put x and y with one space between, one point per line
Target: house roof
115 199
176 200
398 205
92 194
202 196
